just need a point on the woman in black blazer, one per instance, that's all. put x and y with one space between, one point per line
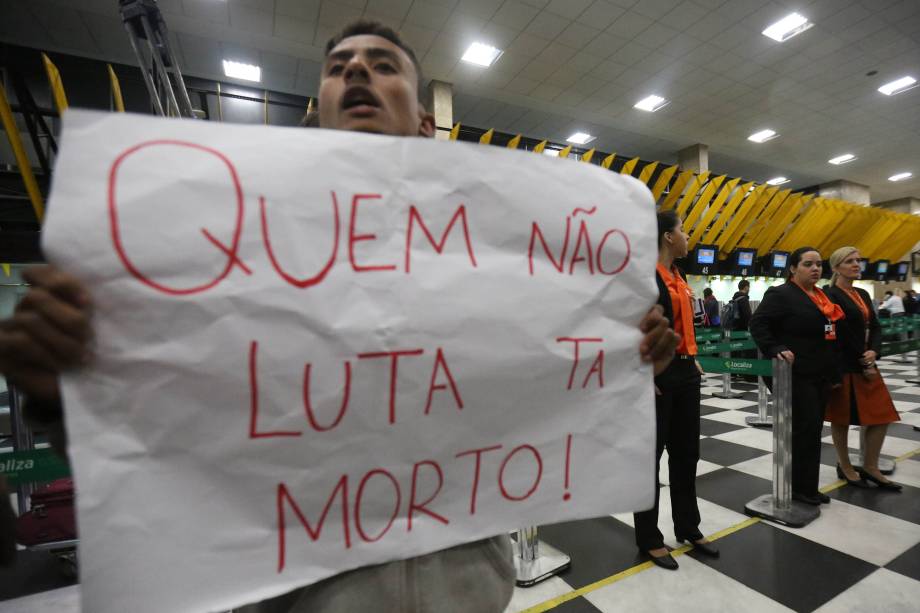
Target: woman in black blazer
863 399
796 322
677 408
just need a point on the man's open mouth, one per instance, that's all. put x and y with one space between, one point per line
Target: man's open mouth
359 98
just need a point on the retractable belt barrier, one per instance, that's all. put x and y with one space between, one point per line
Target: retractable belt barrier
535 561
733 341
779 506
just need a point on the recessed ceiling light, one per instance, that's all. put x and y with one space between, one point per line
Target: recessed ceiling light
842 159
580 138
901 176
787 27
481 54
763 136
777 181
239 70
896 87
651 103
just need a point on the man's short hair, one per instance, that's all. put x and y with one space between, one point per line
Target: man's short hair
362 27
743 284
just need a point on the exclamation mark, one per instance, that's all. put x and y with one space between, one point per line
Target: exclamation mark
568 457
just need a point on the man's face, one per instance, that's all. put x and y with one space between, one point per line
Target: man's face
370 85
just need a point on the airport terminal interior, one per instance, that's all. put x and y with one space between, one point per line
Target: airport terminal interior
765 125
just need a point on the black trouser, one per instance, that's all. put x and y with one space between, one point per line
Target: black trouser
677 413
809 398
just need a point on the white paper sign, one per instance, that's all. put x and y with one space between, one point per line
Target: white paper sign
318 350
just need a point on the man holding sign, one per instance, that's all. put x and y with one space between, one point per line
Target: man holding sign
449 354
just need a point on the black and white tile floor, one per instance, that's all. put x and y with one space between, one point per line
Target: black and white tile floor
862 554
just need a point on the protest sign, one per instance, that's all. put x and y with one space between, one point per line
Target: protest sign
317 350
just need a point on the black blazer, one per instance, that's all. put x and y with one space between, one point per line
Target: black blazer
851 332
679 372
787 319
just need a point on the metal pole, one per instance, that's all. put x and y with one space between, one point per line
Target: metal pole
535 561
145 73
903 337
916 381
161 69
22 441
762 419
782 435
779 506
726 377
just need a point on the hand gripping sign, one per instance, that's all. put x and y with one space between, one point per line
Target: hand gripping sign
318 350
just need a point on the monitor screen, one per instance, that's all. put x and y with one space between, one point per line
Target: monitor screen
779 260
862 265
882 268
706 256
745 258
902 268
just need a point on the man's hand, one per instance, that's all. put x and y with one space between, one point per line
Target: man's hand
48 333
786 356
659 342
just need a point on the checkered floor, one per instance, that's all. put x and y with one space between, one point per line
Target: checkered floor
862 554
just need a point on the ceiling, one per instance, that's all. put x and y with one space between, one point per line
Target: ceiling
580 65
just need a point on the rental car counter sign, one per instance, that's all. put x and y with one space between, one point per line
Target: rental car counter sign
319 350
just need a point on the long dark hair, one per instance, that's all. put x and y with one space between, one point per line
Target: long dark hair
667 221
794 258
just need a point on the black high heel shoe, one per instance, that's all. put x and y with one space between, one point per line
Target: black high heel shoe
891 486
707 549
666 561
860 483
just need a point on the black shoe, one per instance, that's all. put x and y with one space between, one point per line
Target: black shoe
891 486
824 498
667 562
860 483
705 548
812 500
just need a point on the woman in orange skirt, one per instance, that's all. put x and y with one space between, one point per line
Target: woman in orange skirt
862 400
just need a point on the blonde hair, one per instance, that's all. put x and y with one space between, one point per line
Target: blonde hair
837 257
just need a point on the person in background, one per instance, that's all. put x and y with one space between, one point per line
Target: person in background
863 399
51 332
711 306
797 322
911 304
892 305
677 409
742 301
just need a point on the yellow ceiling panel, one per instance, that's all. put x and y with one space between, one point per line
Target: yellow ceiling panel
712 211
677 189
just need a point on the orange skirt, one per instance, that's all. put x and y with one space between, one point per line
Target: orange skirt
873 404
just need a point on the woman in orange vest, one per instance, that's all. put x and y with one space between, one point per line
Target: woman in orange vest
862 400
797 322
677 408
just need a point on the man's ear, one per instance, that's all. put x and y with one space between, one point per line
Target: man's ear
426 125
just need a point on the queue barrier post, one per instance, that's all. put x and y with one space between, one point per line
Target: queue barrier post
536 561
778 506
762 419
903 359
916 380
726 377
22 441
